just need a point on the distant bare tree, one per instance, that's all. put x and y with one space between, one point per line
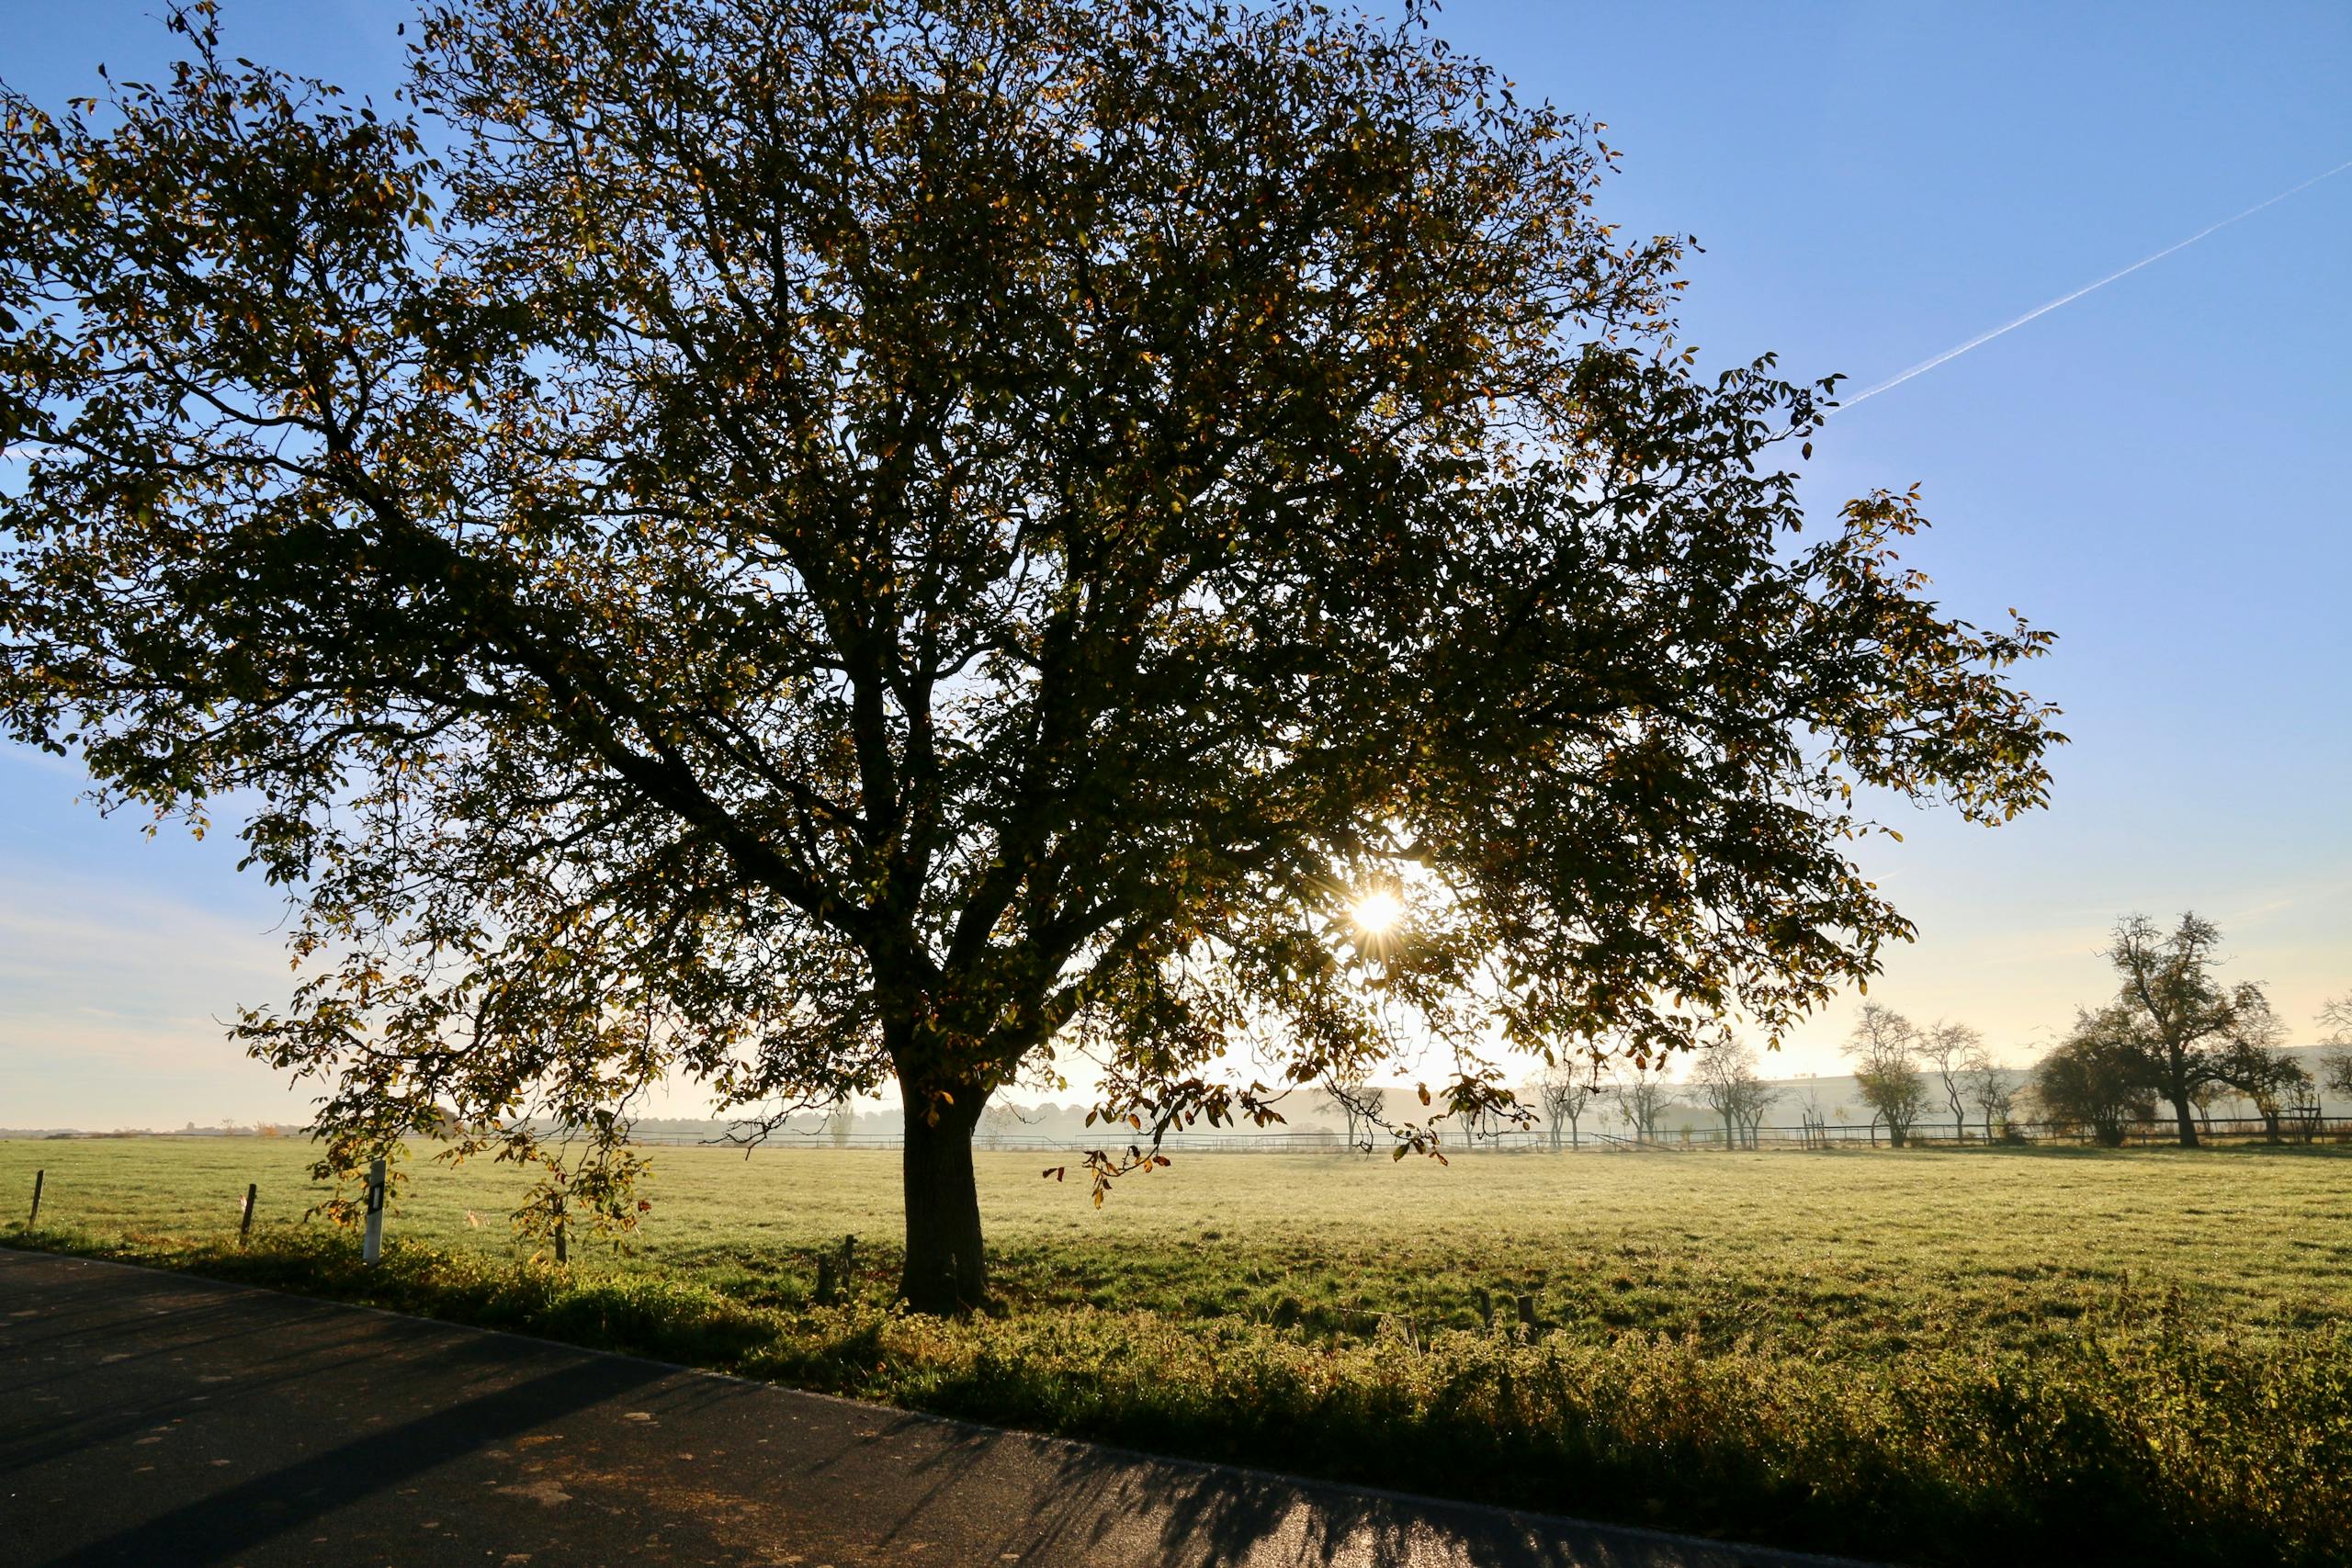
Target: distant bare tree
2336 1067
1759 1099
1565 1091
2305 1109
1726 1079
1722 1069
1993 1090
1953 1049
999 1121
1639 1090
1816 1124
1884 1049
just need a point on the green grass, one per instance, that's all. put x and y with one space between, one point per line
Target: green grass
1931 1355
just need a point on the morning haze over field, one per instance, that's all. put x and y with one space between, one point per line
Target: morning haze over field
1569 779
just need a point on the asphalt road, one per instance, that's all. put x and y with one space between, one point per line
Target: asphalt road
154 1419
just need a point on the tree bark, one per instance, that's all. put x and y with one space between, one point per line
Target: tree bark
946 1271
2188 1124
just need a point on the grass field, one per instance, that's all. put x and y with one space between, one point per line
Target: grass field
1928 1355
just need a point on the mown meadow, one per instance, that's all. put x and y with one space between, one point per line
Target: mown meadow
1931 1355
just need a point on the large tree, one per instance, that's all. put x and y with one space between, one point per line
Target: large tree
2183 1025
798 544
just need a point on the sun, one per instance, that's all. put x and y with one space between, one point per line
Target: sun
1377 913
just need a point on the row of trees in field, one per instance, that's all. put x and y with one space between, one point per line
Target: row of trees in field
1895 1059
2174 1035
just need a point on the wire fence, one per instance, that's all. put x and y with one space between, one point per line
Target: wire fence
2289 1128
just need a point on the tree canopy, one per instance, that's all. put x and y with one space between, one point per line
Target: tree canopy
2096 1078
2181 1025
793 544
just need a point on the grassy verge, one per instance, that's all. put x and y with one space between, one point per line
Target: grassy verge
2140 1434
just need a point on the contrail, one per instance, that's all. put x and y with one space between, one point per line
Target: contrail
1982 338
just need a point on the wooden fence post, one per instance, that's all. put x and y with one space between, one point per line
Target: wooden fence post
39 1176
245 1220
372 1246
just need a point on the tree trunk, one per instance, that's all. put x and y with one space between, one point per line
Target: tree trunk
2187 1123
946 1272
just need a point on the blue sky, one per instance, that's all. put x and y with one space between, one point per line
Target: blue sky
2156 471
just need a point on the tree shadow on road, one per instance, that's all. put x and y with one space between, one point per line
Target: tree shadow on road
1094 1503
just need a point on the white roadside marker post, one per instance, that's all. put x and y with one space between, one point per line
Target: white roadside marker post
373 1246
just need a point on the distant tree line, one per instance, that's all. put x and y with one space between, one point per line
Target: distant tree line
2175 1035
